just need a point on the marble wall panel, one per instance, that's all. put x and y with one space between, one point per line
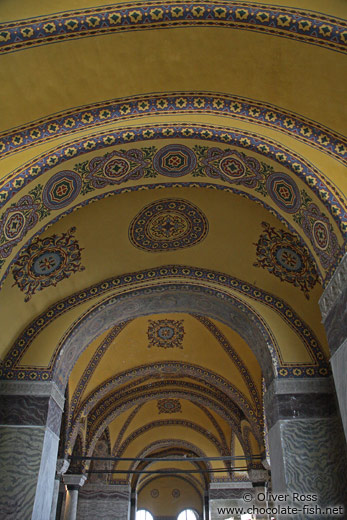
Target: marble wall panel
339 368
27 466
308 456
103 502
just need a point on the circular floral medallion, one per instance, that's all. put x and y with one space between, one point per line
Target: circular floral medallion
232 167
282 254
154 493
167 225
284 192
174 160
47 263
288 258
61 189
321 234
116 168
176 493
14 225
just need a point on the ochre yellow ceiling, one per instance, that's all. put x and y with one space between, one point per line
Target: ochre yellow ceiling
255 252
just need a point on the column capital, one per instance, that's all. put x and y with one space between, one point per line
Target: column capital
298 399
61 467
74 482
258 476
33 389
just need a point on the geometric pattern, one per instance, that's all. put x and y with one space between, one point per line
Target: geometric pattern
117 167
16 222
61 189
319 230
174 160
154 493
231 166
46 262
11 368
284 192
315 28
265 147
169 406
175 493
167 225
282 254
165 333
250 110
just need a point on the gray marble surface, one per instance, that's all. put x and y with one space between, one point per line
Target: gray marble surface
27 466
176 298
339 368
104 502
308 456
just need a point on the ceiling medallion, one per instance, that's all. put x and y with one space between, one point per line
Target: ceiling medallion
169 406
168 225
154 493
46 262
282 254
165 333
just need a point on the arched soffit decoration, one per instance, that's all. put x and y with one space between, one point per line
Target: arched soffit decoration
109 385
216 399
171 447
166 104
139 480
195 398
196 291
98 422
305 26
176 443
123 429
31 206
217 427
171 422
91 367
139 374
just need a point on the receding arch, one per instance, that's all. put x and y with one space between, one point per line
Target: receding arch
193 371
167 298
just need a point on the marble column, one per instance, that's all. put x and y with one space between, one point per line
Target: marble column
206 507
73 484
333 305
133 505
103 500
306 442
30 417
61 468
229 495
260 479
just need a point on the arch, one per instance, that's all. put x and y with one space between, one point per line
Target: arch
116 410
329 195
189 447
195 372
112 19
189 278
169 298
168 103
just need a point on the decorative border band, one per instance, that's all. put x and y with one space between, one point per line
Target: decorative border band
324 189
236 107
305 26
10 369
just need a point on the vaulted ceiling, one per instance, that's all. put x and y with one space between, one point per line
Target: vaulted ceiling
172 204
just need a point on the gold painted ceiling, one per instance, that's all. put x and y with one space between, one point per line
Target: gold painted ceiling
173 202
